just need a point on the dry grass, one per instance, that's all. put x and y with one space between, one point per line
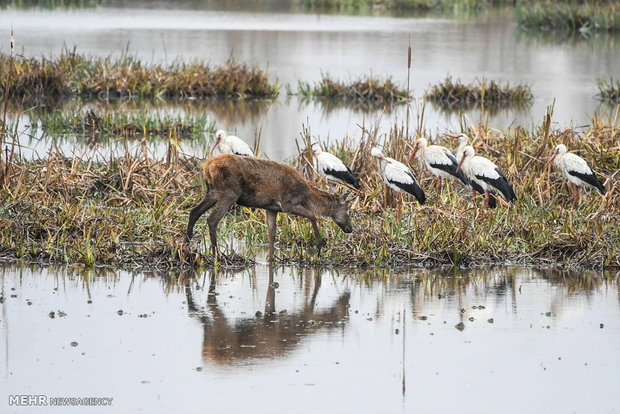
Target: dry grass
32 81
132 211
609 91
451 95
366 90
569 15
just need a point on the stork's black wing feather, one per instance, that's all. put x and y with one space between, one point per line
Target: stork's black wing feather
591 179
412 188
344 176
451 168
501 184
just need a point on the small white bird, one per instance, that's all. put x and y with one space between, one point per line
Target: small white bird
230 144
576 170
486 174
330 166
398 177
438 160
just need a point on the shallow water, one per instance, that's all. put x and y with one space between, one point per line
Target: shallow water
313 340
300 47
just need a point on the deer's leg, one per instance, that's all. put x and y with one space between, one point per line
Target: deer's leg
319 240
207 202
222 207
272 217
304 212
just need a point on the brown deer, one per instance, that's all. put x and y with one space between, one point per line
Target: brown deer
274 187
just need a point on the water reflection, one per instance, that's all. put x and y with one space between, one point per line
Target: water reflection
302 47
271 333
366 341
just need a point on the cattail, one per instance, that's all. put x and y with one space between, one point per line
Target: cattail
409 58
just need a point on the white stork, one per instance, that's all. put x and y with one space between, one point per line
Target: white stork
576 170
438 160
485 174
475 187
230 144
398 177
463 142
333 168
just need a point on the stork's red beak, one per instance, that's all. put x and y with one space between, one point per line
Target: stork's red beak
460 163
450 135
217 141
413 154
555 154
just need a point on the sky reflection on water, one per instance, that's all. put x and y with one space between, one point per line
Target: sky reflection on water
314 340
302 47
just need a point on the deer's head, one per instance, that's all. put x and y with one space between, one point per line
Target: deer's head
341 214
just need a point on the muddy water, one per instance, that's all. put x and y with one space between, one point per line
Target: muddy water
492 340
300 47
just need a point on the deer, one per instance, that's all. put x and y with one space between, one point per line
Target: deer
268 185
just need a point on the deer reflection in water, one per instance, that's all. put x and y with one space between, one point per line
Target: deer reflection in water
268 335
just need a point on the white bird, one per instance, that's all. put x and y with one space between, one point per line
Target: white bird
398 177
486 174
438 160
576 170
330 166
463 142
230 144
475 187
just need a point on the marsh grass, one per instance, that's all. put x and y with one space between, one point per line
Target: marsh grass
366 6
95 123
609 91
132 211
454 229
454 95
50 4
569 16
366 91
34 81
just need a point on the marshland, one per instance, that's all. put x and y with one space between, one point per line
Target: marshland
109 111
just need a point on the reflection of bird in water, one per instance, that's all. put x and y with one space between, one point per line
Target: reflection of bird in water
267 336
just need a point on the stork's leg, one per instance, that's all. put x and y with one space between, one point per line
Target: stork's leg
486 198
439 185
575 195
400 203
473 193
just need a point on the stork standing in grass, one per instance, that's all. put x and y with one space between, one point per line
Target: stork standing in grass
486 174
438 160
230 144
398 177
475 187
576 170
331 167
